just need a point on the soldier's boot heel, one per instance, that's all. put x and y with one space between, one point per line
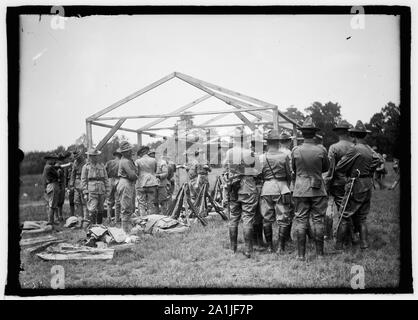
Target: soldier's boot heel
233 238
341 234
258 242
301 236
248 239
363 236
319 241
282 237
268 234
72 211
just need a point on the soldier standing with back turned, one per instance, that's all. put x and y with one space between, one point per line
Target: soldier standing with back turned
309 161
335 181
239 162
360 162
112 167
275 194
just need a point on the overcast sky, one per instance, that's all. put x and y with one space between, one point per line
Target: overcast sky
68 75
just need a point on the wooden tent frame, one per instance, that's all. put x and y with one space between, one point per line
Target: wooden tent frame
266 113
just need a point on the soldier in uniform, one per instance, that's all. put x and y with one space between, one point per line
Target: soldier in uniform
275 194
112 167
239 162
125 190
62 183
161 175
258 241
335 182
147 183
309 161
95 184
67 186
50 179
360 161
191 169
170 178
75 184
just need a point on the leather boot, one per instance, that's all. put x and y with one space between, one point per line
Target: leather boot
93 217
99 217
109 215
282 238
248 239
301 235
126 225
233 237
50 216
72 211
268 234
319 239
341 234
363 235
258 242
60 217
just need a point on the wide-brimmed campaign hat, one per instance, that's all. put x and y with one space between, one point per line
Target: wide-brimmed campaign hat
342 125
142 150
360 127
125 146
151 151
273 135
284 136
309 125
93 152
51 156
237 133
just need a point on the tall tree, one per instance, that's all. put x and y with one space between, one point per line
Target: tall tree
325 116
385 129
295 114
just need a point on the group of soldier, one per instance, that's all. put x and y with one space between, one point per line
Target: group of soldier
119 184
293 187
283 184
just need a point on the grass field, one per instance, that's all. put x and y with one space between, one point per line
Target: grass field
201 258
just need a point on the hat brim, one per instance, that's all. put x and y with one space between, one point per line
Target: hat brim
94 153
359 131
127 149
340 128
309 129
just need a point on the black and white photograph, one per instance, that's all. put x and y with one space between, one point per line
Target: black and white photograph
209 150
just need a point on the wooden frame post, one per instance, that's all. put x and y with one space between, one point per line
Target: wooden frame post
295 136
276 119
139 138
89 134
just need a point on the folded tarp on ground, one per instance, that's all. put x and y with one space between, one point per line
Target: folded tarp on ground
35 227
67 251
157 223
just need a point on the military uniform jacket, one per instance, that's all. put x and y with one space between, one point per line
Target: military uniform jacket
127 169
335 153
147 167
75 180
112 167
192 168
309 161
162 173
360 157
275 173
240 164
94 178
49 175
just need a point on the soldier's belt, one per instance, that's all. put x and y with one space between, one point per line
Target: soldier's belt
278 179
96 179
